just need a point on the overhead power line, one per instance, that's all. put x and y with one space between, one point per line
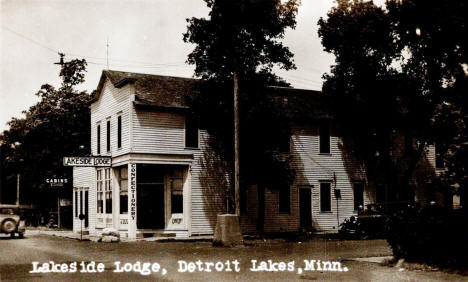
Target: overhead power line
134 63
294 78
31 40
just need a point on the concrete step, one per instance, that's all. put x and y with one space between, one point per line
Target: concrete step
149 234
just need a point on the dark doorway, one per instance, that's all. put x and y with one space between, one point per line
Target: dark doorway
150 197
305 208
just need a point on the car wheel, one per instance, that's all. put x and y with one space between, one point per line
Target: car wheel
8 226
12 234
21 234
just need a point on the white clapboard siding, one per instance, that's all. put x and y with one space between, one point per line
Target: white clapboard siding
338 167
162 132
311 168
84 177
158 132
208 186
112 103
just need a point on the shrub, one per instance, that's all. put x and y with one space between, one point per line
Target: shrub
430 235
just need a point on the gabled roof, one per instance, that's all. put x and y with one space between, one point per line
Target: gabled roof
150 89
171 92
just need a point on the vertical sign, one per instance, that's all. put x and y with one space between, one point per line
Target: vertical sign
132 200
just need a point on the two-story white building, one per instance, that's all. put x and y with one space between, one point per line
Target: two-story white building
160 181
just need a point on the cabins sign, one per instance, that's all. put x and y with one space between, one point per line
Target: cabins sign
56 182
87 161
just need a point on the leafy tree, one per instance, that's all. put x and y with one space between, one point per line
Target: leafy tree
56 126
243 37
398 69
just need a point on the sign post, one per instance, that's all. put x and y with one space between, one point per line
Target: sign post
81 217
58 212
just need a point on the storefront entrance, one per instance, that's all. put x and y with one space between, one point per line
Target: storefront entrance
150 206
150 197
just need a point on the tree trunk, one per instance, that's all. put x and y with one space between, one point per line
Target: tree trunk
414 160
261 209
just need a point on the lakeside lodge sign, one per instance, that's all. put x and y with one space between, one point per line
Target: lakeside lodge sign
87 161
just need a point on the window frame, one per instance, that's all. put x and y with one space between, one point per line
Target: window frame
180 191
119 131
121 191
322 138
329 210
108 135
77 213
99 192
98 138
186 131
107 191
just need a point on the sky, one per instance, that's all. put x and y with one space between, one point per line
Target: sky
143 36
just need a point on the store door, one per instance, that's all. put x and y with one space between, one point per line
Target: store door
150 206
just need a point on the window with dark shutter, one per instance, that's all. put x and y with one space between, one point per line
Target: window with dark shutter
108 136
81 202
191 132
325 138
325 197
98 139
119 132
284 200
76 204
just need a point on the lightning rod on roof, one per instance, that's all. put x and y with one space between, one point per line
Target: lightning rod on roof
107 52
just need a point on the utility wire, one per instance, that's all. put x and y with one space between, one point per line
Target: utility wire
31 40
138 64
54 50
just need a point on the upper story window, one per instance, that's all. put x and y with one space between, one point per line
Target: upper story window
325 197
325 138
98 139
108 139
119 132
191 132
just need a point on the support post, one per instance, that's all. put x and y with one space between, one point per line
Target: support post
58 212
227 232
18 178
236 147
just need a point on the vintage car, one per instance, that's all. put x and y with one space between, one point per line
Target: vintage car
11 221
